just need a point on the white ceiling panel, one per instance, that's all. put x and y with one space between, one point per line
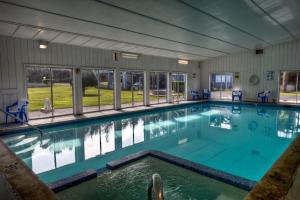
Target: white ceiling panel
181 17
46 35
187 28
26 32
127 47
79 40
7 29
64 38
93 42
250 18
99 30
106 45
117 46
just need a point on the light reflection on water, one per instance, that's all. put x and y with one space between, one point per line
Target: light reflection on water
219 136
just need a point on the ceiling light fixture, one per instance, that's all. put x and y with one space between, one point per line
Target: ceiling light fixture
130 55
183 62
43 44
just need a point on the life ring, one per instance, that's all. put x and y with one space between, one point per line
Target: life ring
254 79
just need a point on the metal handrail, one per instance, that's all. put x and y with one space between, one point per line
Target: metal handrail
155 188
24 122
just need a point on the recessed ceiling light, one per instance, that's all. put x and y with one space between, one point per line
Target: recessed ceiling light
43 44
183 62
130 55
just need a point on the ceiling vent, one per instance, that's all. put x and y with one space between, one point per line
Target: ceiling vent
259 51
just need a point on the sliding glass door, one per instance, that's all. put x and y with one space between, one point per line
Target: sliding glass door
221 85
50 91
289 86
132 88
62 91
178 86
158 87
97 89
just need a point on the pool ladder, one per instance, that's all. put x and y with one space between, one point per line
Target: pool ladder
155 188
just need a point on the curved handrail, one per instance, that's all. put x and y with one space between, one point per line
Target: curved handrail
24 122
155 188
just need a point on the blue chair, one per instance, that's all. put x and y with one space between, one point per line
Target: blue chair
20 111
263 96
195 95
237 94
205 94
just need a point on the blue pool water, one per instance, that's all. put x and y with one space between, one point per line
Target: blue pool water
243 140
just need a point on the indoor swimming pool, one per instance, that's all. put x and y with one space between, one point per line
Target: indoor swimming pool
240 139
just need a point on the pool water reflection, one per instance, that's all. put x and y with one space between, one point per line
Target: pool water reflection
242 140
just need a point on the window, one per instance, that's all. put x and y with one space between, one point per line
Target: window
289 86
221 85
132 88
50 91
158 87
178 86
97 90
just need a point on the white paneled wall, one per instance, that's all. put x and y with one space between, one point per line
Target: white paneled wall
14 53
285 56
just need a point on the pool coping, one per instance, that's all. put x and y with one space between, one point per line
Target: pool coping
224 177
280 178
21 178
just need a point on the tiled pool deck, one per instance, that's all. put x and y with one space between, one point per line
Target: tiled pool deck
23 181
282 181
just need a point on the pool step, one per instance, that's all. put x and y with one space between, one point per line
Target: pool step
27 152
13 140
27 142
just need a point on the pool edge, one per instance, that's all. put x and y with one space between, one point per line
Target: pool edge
226 178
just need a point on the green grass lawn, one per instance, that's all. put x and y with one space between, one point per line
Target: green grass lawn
289 93
62 95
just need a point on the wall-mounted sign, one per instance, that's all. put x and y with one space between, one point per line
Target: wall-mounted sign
270 75
236 75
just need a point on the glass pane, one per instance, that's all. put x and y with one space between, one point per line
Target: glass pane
138 88
162 87
221 85
106 86
39 92
227 80
215 85
126 86
298 88
178 86
153 88
62 91
90 90
288 88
